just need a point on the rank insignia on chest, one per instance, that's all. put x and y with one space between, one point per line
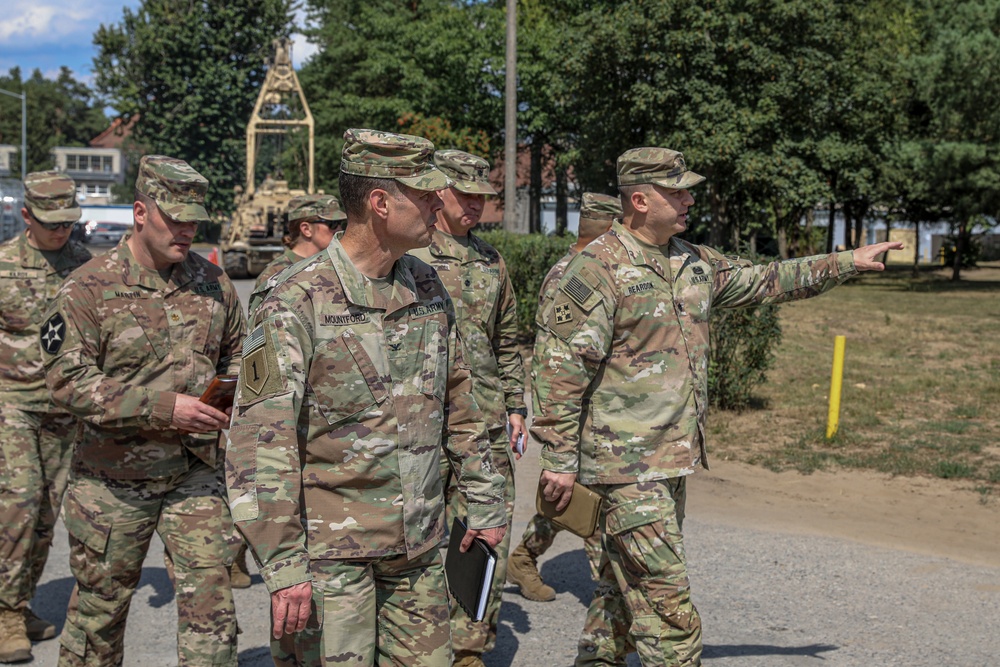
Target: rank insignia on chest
563 313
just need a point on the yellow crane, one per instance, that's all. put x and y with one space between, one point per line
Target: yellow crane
252 238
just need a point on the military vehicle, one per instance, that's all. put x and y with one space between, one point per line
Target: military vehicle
252 238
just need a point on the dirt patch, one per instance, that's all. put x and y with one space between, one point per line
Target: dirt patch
923 515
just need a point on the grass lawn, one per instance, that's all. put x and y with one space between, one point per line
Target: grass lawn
921 389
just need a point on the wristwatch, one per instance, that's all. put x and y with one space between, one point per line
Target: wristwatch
518 411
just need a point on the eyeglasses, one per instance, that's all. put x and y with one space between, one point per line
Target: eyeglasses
53 226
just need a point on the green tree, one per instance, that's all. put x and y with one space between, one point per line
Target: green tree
60 112
191 71
957 121
383 63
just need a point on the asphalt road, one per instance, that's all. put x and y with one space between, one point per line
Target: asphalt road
766 598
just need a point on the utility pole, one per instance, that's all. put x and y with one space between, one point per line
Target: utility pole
24 130
510 223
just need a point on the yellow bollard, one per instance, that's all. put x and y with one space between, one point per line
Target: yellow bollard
833 420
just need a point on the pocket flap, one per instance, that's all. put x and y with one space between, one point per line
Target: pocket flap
86 529
634 513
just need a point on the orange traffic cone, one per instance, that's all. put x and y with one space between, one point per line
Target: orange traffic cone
213 256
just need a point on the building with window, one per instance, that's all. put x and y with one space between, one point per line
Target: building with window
8 154
95 170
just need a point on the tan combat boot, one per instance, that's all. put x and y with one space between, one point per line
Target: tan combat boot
522 571
38 628
468 660
239 575
14 643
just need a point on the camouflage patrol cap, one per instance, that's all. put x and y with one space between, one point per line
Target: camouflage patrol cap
470 173
51 197
401 157
597 212
659 166
309 207
178 190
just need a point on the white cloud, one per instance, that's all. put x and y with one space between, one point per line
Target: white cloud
44 22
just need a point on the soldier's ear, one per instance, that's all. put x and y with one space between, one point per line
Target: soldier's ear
639 201
139 212
379 201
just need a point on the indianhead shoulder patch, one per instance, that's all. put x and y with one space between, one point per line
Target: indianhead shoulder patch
53 334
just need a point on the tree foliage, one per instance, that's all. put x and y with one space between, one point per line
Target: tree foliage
384 62
191 71
60 112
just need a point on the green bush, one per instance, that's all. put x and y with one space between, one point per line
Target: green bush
743 343
529 257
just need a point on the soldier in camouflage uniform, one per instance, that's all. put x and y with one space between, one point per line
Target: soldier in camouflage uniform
597 212
35 437
628 329
353 388
312 221
476 277
130 342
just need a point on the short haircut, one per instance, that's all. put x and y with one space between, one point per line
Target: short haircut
145 199
354 191
627 191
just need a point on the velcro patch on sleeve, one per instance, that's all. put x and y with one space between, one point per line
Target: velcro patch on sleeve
577 290
260 374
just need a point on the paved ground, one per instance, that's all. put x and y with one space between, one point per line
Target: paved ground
767 598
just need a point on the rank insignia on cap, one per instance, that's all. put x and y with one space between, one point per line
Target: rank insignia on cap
53 333
564 313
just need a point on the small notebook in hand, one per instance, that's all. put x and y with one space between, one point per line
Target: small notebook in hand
470 575
579 517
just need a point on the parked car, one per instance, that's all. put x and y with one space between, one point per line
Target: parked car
108 233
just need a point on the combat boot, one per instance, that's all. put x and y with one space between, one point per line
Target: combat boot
468 660
522 571
14 643
239 574
38 628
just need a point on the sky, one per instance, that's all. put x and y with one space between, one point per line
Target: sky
47 34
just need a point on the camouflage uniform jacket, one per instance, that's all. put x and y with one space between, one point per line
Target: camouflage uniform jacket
343 405
28 282
475 276
132 343
631 336
277 265
552 279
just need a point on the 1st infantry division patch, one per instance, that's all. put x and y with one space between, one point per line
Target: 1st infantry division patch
564 313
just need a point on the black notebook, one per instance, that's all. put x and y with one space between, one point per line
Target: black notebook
470 575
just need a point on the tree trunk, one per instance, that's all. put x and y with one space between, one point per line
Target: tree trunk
562 213
848 226
717 223
888 231
535 202
916 249
830 227
752 243
956 266
807 248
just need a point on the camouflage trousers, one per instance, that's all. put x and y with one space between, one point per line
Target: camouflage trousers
469 637
35 451
541 532
385 611
643 593
110 524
